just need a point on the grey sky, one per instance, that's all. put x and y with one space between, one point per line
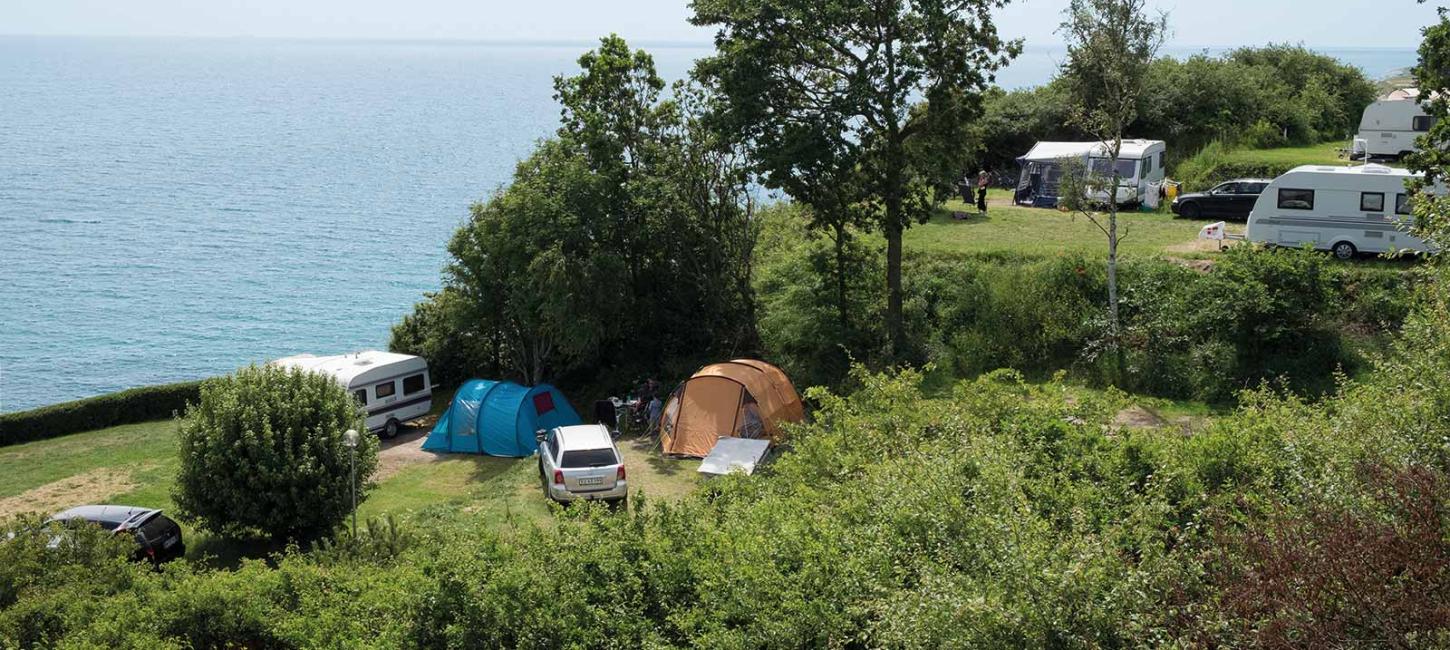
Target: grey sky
1353 23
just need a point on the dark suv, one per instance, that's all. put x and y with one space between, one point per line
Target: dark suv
1231 200
158 538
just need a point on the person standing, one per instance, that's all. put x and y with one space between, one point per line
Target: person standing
982 182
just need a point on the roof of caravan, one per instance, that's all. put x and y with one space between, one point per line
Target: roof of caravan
345 367
1056 150
1353 170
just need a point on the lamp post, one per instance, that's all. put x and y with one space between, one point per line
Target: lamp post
349 439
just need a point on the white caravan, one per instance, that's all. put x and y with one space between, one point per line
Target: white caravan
1389 126
393 388
1139 166
1346 210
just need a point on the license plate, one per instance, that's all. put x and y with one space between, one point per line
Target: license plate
170 542
591 480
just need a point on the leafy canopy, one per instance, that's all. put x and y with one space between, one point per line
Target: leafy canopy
262 452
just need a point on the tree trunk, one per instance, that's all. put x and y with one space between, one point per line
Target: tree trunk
841 310
894 326
1114 326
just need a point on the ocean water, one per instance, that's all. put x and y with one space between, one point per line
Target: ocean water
172 209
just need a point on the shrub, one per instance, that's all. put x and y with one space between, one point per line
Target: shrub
124 407
262 452
1331 574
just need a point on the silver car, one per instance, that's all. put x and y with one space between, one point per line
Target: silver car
581 462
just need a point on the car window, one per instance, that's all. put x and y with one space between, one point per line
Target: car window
156 529
587 458
1372 201
1255 188
1290 199
1227 188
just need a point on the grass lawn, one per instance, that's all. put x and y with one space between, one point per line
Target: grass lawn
136 464
1318 154
1038 231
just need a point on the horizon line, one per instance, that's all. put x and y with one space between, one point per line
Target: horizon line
557 42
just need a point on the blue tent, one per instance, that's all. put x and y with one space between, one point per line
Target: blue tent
499 418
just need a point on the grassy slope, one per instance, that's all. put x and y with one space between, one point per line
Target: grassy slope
492 487
1319 154
1037 231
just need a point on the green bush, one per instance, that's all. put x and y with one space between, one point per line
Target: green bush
262 452
124 407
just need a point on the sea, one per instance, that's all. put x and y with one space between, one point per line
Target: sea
173 209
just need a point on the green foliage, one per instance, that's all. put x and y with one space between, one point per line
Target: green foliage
1001 515
633 222
858 111
1257 315
1250 98
1218 162
262 452
124 407
436 331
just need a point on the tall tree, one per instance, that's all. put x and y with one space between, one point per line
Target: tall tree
819 87
1110 45
1432 156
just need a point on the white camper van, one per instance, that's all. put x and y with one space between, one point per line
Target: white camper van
1389 126
1139 166
1346 210
393 388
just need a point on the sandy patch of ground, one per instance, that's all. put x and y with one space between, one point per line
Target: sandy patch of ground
95 486
1138 418
405 450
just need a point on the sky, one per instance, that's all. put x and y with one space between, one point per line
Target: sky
1315 23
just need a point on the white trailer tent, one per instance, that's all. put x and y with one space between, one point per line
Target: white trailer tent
1346 210
1389 126
393 388
1139 164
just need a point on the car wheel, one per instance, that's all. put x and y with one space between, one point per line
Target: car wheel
1190 211
390 430
1344 250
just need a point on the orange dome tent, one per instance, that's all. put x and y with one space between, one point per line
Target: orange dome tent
743 398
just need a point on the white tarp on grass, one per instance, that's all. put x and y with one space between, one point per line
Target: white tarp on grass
734 455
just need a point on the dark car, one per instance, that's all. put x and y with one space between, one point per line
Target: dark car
1231 200
158 538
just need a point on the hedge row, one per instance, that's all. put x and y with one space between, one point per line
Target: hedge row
125 407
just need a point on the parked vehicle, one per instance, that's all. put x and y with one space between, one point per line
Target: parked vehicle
1388 127
581 462
1139 165
158 538
1346 210
1231 200
393 388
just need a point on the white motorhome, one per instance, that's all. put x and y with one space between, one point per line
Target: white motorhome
1139 165
1389 126
393 388
1346 210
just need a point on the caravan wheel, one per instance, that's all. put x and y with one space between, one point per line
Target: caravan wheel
1344 250
390 430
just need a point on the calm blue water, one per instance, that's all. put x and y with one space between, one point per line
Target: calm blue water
172 209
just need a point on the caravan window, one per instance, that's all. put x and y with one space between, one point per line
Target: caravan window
1125 168
1372 201
361 395
384 390
1423 123
1402 204
1296 199
1147 165
413 384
